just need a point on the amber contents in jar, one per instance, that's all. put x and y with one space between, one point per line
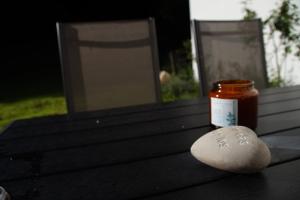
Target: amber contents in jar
233 102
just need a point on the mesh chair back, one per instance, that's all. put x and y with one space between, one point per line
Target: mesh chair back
109 64
230 50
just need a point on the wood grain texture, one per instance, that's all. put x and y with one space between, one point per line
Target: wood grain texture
277 182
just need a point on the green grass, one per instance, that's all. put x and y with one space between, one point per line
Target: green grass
30 107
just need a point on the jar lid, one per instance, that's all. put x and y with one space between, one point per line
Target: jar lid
235 82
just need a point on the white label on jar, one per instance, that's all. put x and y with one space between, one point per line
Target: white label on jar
224 112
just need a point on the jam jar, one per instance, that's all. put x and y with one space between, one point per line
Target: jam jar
233 102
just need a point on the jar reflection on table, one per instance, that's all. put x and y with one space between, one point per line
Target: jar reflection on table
233 102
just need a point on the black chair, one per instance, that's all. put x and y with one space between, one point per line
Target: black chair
229 50
109 64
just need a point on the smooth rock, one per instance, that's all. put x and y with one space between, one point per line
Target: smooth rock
235 149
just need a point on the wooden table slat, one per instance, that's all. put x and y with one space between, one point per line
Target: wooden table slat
277 182
110 154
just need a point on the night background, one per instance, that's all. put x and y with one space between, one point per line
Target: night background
30 64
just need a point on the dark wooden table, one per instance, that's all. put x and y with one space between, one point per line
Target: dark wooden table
143 153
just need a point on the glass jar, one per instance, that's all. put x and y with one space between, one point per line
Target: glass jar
233 102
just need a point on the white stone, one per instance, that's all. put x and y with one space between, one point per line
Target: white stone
235 149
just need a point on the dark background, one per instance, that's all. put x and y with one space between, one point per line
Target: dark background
30 63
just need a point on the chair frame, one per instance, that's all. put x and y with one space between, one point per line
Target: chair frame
200 57
66 70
